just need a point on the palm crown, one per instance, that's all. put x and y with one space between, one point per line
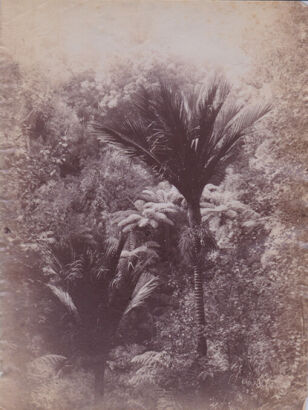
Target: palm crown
99 285
185 137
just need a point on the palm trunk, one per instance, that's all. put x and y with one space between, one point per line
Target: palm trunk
99 374
96 350
194 217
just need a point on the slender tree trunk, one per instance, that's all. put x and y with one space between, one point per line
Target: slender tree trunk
99 374
194 217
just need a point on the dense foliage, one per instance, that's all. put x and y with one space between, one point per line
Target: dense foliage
82 207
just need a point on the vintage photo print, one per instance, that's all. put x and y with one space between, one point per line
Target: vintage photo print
153 205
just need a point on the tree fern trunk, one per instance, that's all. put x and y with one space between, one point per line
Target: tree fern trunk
167 241
194 217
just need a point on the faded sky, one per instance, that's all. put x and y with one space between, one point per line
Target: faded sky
61 35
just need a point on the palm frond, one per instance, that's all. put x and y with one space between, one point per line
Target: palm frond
249 117
111 246
65 298
114 259
209 102
144 288
223 121
238 128
186 137
133 143
74 269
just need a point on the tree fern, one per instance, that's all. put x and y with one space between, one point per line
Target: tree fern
146 214
153 359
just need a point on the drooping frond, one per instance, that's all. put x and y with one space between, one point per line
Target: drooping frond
143 250
74 269
64 298
248 117
131 219
50 359
114 255
164 193
132 142
111 247
45 367
144 288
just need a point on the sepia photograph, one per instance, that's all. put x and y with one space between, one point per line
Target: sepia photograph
153 205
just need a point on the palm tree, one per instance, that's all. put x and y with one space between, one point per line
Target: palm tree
98 282
187 138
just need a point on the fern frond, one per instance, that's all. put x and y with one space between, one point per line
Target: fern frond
148 195
143 222
129 228
163 218
144 250
154 224
44 367
152 359
50 359
139 204
152 244
166 207
132 218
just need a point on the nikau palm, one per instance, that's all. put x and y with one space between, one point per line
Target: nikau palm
99 283
188 138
